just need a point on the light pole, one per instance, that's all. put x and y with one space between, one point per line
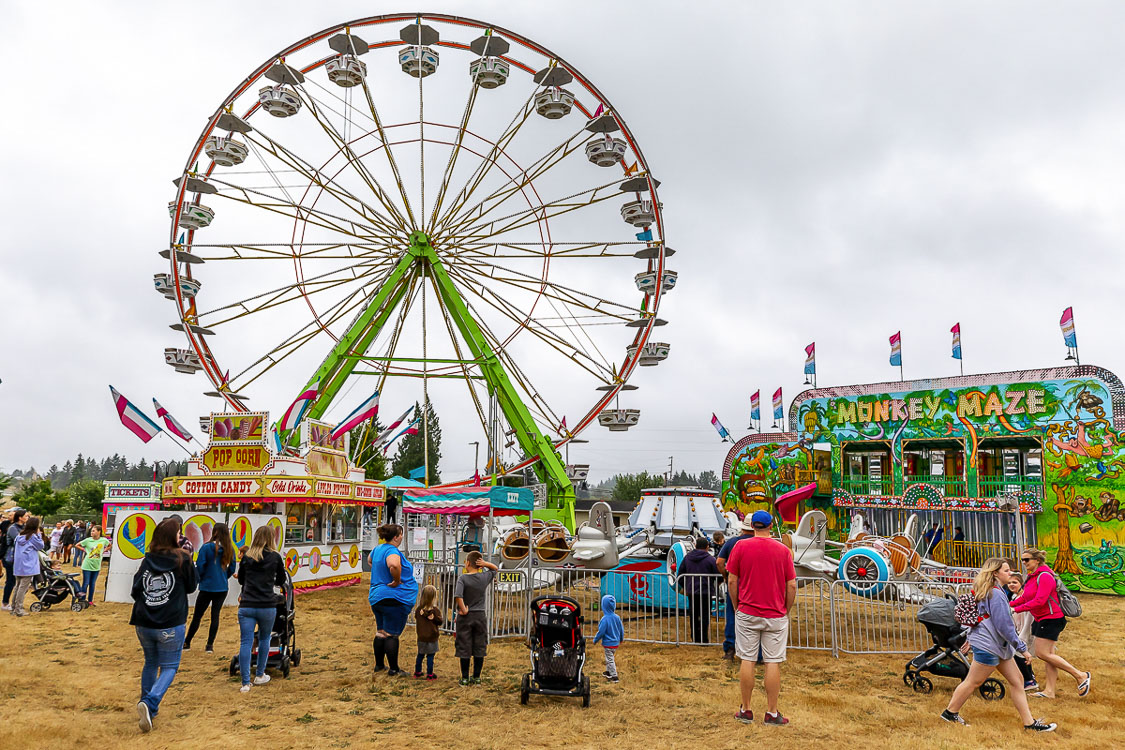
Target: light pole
476 458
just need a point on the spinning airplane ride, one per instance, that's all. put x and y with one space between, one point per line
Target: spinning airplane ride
430 198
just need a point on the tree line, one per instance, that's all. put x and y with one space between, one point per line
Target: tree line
626 488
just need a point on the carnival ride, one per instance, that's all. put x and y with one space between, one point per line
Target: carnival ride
318 233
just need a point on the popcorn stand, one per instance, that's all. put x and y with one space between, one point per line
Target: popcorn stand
318 499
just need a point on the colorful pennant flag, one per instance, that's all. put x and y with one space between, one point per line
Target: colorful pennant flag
777 405
599 110
296 411
1066 323
956 331
720 429
810 359
645 236
170 422
562 427
755 407
411 429
133 418
359 415
417 473
896 349
386 433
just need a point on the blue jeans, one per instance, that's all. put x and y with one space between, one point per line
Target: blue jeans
728 630
248 617
390 615
89 582
162 648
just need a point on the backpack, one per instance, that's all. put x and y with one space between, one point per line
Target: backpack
1068 602
967 611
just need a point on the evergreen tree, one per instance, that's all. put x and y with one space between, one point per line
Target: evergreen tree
411 451
39 498
709 480
627 487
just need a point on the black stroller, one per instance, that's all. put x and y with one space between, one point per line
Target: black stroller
945 658
283 637
558 650
52 587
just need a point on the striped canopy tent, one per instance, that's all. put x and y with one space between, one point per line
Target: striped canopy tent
470 501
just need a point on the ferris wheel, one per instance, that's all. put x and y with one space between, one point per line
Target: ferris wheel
425 201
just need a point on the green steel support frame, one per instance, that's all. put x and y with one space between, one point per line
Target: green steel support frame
341 362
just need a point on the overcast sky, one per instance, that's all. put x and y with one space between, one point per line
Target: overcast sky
831 171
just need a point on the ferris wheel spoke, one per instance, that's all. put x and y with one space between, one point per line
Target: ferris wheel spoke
535 251
512 368
296 340
297 212
387 150
481 171
538 284
531 324
303 288
353 160
447 319
533 215
391 222
516 183
296 164
272 251
447 173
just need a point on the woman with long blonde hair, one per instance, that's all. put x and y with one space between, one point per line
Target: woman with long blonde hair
261 569
994 641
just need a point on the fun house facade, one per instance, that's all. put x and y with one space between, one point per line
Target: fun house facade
978 455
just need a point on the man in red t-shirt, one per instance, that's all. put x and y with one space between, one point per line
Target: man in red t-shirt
763 586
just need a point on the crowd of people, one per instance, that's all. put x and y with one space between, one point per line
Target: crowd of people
1018 615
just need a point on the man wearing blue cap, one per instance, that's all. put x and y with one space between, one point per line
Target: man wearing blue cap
763 586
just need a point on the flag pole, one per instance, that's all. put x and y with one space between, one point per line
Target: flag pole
1077 359
178 444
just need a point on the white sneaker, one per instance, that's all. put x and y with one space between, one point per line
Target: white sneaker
6 607
245 688
261 679
144 717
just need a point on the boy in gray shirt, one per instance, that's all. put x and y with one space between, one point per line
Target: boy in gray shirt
472 616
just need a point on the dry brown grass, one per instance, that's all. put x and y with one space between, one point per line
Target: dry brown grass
74 676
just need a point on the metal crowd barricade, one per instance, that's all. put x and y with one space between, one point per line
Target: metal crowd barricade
656 607
887 623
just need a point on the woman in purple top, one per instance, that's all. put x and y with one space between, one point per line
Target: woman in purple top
994 641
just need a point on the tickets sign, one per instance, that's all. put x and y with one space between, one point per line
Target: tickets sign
237 459
132 491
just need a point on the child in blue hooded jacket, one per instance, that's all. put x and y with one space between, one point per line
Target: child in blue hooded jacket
610 633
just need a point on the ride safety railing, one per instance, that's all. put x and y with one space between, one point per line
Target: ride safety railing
862 484
993 486
950 486
692 610
963 554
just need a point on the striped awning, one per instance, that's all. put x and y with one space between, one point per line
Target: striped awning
469 501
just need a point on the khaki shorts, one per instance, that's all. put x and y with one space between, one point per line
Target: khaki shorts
769 633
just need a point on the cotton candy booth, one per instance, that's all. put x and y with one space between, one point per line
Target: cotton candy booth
315 497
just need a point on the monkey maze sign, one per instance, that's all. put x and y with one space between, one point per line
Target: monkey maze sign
934 406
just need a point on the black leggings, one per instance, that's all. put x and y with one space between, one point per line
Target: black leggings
214 600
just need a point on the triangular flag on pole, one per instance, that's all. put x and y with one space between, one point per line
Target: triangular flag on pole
170 422
133 418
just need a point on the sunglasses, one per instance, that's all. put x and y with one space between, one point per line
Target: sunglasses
1026 559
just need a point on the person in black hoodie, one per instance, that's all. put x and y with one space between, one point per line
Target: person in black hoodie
699 586
260 570
160 591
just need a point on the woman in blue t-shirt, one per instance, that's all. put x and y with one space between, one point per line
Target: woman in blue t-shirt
393 593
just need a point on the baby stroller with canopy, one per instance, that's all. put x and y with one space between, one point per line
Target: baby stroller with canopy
558 650
944 659
53 586
283 650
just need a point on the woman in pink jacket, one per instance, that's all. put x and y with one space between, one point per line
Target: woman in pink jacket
1040 597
